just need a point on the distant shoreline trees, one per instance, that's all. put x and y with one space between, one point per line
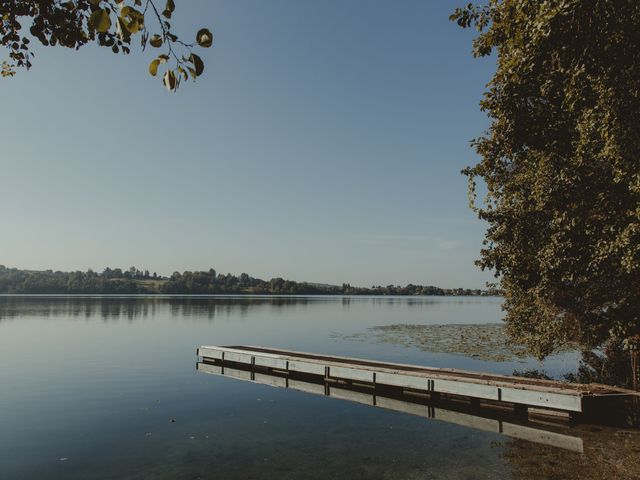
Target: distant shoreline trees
134 281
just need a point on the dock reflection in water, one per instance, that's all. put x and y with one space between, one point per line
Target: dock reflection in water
494 421
534 449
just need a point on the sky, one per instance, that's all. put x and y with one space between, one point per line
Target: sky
323 143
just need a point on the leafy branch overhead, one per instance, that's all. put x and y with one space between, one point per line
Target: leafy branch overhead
108 23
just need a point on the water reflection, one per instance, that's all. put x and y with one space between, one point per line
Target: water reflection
460 413
533 450
97 380
134 306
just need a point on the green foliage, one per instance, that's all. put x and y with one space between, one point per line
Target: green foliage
608 365
48 282
100 20
204 38
13 280
560 162
107 23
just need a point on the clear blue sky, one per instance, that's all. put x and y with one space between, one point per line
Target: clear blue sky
323 143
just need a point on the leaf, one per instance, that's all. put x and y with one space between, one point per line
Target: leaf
156 41
169 8
153 67
204 38
100 21
133 19
198 64
123 30
169 80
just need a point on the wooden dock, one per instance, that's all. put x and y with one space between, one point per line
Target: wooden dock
522 396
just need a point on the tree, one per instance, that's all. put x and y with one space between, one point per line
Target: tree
107 23
561 165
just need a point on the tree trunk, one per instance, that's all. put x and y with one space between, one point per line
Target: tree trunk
635 370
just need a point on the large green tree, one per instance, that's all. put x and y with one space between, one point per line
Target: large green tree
108 23
560 163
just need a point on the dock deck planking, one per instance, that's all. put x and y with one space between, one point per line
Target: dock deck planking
525 392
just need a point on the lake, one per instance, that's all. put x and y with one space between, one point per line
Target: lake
107 388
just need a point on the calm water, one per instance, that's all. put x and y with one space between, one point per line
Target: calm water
106 388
